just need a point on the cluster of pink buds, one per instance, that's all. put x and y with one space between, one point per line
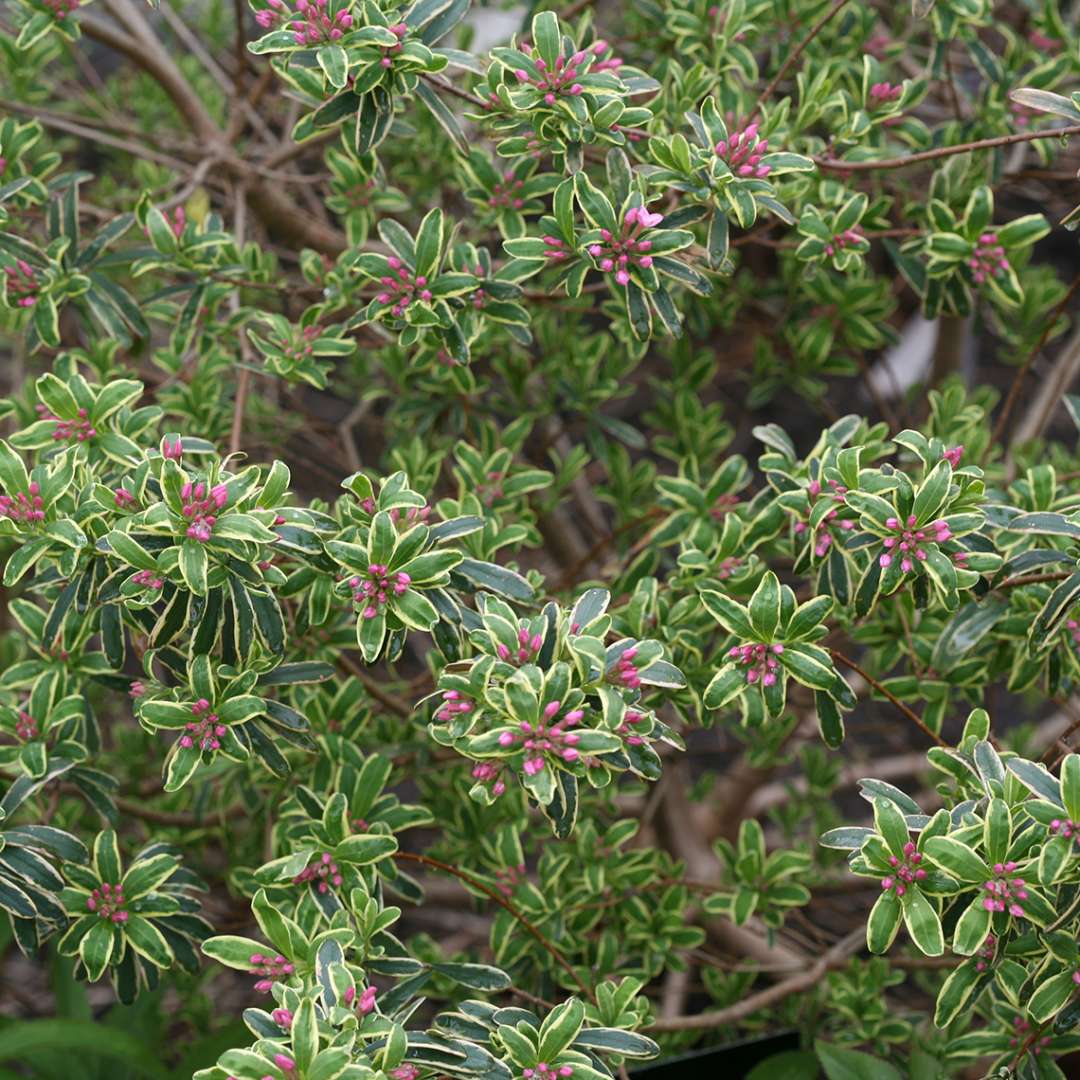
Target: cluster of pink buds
1021 1028
548 735
556 249
201 508
560 79
26 726
108 903
373 591
300 347
123 499
365 1002
883 93
953 455
62 8
908 541
492 488
1043 42
625 671
823 535
729 567
401 291
528 647
405 1072
602 63
989 259
508 877
847 238
399 30
177 221
543 1071
723 506
1004 892
285 1063
137 689
413 515
206 730
24 508
986 953
79 430
283 1018
311 25
269 968
877 45
479 297
147 579
503 193
618 254
22 284
485 772
172 450
1022 115
905 872
454 702
1066 827
322 873
743 152
760 659
628 727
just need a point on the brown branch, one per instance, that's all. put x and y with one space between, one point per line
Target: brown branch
794 55
806 980
393 703
839 657
1021 374
943 151
446 868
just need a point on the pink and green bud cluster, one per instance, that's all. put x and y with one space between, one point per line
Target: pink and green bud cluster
322 873
399 30
953 455
486 772
413 515
528 647
610 63
300 348
454 702
1022 1027
107 902
823 536
743 152
269 969
986 953
137 689
560 79
24 508
177 221
123 499
989 259
847 238
79 430
906 871
729 567
626 671
206 730
283 1018
148 579
543 1071
26 726
310 24
1003 893
617 254
22 284
405 1072
201 508
759 659
882 93
550 735
285 1063
401 289
628 726
364 1003
908 541
374 590
61 9
1063 826
172 450
508 877
503 193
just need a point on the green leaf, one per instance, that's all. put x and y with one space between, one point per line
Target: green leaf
96 948
841 1063
148 941
334 62
922 922
193 566
82 1041
957 859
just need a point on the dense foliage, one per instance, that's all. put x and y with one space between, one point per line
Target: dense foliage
461 541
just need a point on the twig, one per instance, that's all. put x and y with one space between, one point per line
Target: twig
909 713
243 377
446 868
794 55
943 151
394 704
764 998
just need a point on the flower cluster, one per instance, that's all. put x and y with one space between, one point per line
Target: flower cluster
1005 892
760 659
908 541
147 579
560 78
206 730
842 240
625 671
1065 827
79 430
617 254
548 736
24 508
364 1002
743 152
269 969
26 726
399 30
488 773
823 535
402 290
322 873
22 284
373 590
905 871
882 93
989 258
107 901
201 508
311 24
527 649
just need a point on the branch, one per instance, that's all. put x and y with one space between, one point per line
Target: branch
807 980
910 714
943 151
